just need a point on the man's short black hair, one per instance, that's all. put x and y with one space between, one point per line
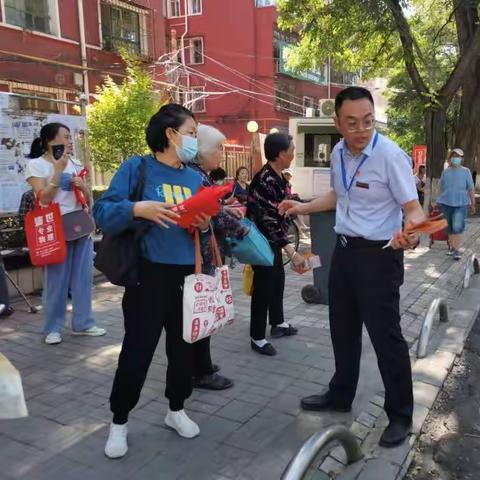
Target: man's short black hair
275 143
351 93
169 116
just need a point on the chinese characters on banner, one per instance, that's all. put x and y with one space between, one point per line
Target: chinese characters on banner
419 155
45 238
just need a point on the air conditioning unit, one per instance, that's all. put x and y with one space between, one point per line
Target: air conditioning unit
327 108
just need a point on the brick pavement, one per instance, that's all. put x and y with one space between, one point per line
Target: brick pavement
249 432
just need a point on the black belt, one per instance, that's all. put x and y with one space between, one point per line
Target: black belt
359 242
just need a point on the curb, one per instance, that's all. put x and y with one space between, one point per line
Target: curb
429 375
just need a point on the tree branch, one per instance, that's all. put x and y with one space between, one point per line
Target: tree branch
407 40
464 62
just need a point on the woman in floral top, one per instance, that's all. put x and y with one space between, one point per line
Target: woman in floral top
268 188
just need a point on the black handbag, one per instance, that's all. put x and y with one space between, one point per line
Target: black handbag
118 256
77 224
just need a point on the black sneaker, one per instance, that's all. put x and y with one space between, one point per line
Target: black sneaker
278 332
267 349
395 434
322 403
212 382
6 312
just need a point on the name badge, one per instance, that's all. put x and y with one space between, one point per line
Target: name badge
362 185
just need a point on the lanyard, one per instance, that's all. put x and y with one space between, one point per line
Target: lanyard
362 161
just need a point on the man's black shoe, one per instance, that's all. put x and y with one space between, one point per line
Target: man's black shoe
6 312
395 434
212 382
278 332
267 349
321 403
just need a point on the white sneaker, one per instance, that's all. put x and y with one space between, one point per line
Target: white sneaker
180 422
91 332
116 446
53 338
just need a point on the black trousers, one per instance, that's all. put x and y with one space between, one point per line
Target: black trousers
202 360
154 305
267 296
364 288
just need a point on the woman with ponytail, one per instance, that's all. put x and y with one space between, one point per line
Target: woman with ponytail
52 173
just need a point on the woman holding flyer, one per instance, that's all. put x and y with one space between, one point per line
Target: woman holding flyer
167 257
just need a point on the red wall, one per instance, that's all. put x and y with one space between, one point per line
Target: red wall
238 34
16 41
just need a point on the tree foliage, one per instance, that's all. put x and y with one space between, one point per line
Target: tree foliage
117 119
420 38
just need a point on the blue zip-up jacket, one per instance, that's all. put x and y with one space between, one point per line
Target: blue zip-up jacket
113 212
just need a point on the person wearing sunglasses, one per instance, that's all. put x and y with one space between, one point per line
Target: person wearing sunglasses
372 182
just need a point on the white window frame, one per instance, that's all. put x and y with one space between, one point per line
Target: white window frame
192 52
190 5
263 3
168 9
193 104
54 21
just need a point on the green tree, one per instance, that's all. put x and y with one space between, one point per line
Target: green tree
117 119
424 37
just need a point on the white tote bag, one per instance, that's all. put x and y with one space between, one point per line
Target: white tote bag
207 300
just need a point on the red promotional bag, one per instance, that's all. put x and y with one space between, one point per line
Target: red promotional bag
44 232
205 201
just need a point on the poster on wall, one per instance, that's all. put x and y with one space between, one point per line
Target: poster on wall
17 132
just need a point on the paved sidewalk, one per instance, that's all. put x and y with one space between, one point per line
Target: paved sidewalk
249 432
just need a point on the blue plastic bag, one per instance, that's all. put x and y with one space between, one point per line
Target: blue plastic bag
253 249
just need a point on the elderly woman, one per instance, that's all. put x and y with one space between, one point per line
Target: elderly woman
227 223
456 193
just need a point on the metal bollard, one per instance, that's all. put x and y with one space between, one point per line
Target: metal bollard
471 266
439 304
298 466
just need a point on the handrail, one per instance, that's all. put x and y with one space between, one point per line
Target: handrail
439 304
471 266
298 466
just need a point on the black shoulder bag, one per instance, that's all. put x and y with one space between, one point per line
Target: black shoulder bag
118 256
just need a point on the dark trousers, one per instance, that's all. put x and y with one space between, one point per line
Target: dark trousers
202 360
364 288
3 285
149 308
267 296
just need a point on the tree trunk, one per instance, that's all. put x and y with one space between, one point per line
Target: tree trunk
435 128
468 128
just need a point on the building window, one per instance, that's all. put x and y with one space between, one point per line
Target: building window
194 7
308 102
173 8
196 51
35 15
34 104
123 28
266 3
197 100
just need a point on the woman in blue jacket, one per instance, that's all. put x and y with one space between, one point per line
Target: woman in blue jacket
167 257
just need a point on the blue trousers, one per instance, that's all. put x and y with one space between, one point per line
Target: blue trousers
76 274
3 285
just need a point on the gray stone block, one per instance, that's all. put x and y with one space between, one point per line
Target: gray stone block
379 469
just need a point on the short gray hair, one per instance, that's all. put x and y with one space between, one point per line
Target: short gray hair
209 138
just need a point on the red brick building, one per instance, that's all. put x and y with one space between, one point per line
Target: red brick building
236 67
61 49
